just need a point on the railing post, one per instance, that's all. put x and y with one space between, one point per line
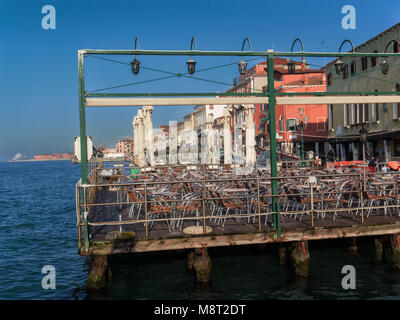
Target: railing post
362 200
78 211
203 193
85 221
145 210
259 204
312 204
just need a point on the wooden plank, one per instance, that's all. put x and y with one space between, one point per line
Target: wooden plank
128 102
337 99
242 239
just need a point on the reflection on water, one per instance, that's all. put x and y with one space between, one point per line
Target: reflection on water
252 272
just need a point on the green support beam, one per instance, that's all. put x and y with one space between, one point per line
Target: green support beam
178 94
82 117
238 53
272 137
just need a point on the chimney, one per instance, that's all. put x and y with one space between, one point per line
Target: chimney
303 64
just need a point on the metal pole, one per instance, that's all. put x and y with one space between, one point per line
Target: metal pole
302 144
362 200
85 222
365 185
274 170
145 210
259 205
82 118
237 53
203 205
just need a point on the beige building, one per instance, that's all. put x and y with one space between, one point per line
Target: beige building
188 122
380 120
201 113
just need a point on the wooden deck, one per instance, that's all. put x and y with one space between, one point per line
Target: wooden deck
235 231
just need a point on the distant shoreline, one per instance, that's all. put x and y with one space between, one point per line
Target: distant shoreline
44 160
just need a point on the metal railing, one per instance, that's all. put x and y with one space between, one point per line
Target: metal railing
307 193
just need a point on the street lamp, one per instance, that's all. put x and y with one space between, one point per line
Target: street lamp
135 64
384 63
363 140
243 64
302 121
339 65
191 64
291 64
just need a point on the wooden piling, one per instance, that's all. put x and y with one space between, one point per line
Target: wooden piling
202 265
378 250
190 259
283 254
99 273
395 244
300 258
353 247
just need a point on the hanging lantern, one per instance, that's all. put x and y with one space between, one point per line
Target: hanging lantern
135 64
191 64
384 67
242 66
339 66
363 135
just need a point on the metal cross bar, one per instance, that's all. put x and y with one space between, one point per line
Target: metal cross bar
237 53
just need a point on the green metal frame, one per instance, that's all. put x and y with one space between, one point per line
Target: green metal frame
271 94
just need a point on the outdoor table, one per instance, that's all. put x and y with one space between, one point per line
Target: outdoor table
235 190
382 183
329 180
142 189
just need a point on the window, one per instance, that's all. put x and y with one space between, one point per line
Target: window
360 113
280 123
396 106
353 68
356 114
345 72
321 124
330 117
375 112
346 115
396 148
374 60
395 47
329 79
364 63
353 114
291 125
366 113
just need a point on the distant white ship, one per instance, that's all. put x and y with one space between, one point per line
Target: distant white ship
19 157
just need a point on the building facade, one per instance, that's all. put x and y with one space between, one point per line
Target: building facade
289 118
288 130
125 146
380 120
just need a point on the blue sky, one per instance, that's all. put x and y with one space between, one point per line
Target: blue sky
39 100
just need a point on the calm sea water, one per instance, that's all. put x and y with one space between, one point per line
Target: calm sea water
38 228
